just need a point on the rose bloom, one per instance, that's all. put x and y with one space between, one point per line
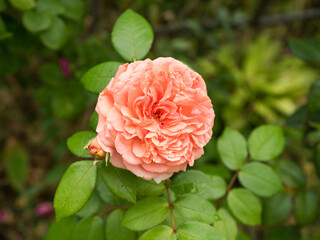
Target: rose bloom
155 117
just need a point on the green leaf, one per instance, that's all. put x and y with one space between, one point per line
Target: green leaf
98 77
23 5
218 187
132 36
282 233
260 179
51 74
50 7
121 182
17 167
160 233
306 49
277 208
149 188
245 206
306 207
67 104
232 148
215 170
3 5
73 9
114 230
146 213
36 21
75 188
313 101
91 207
266 142
291 173
193 207
78 141
198 231
55 36
227 225
93 121
3 31
316 159
89 228
61 230
55 174
242 235
104 192
194 181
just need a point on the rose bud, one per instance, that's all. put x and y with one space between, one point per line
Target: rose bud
43 209
155 117
95 150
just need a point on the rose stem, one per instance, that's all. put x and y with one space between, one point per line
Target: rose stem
167 183
110 209
233 179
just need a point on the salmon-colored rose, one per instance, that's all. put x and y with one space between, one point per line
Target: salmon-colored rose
154 118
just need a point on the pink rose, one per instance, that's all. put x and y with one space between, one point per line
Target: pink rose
155 117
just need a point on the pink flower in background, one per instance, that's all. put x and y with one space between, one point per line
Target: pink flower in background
43 209
64 64
4 214
154 118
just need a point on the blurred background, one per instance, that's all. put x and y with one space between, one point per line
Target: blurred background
241 48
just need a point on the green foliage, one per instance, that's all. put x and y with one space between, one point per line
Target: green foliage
250 87
56 35
62 229
23 5
194 181
50 7
89 228
75 188
306 49
36 21
91 207
245 206
232 148
198 231
281 233
77 142
149 188
17 162
132 36
105 194
3 31
277 208
227 225
98 77
313 102
73 9
306 207
195 208
218 187
160 233
260 179
93 122
121 182
266 142
146 213
291 173
114 229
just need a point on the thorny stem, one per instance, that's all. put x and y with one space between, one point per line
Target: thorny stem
233 179
167 183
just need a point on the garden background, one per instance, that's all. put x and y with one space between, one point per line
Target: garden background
260 60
